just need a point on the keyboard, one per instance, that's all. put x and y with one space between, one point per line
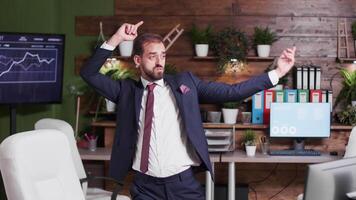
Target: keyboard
305 152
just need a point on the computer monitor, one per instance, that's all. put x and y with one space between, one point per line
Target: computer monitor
331 180
300 120
31 68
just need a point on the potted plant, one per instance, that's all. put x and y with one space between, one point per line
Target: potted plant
201 39
263 39
249 141
348 116
353 31
231 47
347 94
230 112
116 71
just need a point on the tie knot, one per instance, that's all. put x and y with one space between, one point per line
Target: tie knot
151 86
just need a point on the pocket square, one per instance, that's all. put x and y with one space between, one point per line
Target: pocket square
184 89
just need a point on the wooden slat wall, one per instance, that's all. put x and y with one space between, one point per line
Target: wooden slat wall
310 25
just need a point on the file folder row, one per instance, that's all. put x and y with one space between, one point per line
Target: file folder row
308 77
261 102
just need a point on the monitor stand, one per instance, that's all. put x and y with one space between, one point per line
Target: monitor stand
298 144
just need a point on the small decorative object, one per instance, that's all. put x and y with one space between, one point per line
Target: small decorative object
264 145
201 39
249 140
353 31
230 45
92 141
348 116
348 92
263 39
214 116
125 48
230 112
246 117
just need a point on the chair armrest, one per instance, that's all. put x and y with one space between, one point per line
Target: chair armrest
351 195
117 188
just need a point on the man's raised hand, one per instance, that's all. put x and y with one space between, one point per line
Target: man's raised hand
285 61
125 32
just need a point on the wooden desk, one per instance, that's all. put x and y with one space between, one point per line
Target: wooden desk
240 157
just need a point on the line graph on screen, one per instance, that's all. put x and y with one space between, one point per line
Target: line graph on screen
28 65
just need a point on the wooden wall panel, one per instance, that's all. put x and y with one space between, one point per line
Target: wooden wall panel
332 8
181 7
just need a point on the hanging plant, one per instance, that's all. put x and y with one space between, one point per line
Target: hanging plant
230 45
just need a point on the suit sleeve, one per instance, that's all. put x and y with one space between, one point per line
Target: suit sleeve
215 92
101 83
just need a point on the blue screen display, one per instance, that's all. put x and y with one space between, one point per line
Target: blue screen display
300 120
31 68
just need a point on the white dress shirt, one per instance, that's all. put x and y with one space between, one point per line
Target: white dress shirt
170 151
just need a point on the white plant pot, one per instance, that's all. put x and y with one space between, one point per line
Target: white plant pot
125 48
110 106
263 50
202 50
230 115
353 103
250 151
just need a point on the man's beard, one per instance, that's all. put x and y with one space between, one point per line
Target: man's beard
154 76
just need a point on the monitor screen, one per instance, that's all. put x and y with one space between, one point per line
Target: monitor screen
300 120
31 68
331 180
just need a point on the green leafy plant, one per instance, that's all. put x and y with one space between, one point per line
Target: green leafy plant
353 30
230 44
263 36
113 69
348 116
231 105
249 138
348 92
170 69
201 36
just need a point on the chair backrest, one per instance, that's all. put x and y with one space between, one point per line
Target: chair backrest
66 128
350 150
37 165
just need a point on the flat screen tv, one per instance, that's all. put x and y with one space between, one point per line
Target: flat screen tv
31 68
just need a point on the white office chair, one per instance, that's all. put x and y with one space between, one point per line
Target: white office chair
90 193
350 150
37 165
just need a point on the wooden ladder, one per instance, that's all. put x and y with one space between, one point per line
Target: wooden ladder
342 38
172 36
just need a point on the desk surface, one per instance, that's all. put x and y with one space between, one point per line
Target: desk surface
105 154
241 157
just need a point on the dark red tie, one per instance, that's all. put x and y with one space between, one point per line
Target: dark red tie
147 128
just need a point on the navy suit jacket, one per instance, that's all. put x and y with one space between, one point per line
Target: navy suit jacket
127 94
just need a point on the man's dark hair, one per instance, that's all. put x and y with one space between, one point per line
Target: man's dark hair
141 40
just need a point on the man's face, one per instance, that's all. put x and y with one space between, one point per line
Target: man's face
152 61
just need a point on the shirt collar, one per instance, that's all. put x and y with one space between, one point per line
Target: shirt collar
145 82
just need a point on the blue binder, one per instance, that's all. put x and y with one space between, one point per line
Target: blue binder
257 108
290 96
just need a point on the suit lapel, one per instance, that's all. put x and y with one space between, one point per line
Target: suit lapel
138 100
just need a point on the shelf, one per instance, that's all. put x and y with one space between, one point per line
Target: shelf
110 123
346 60
102 113
237 126
249 58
